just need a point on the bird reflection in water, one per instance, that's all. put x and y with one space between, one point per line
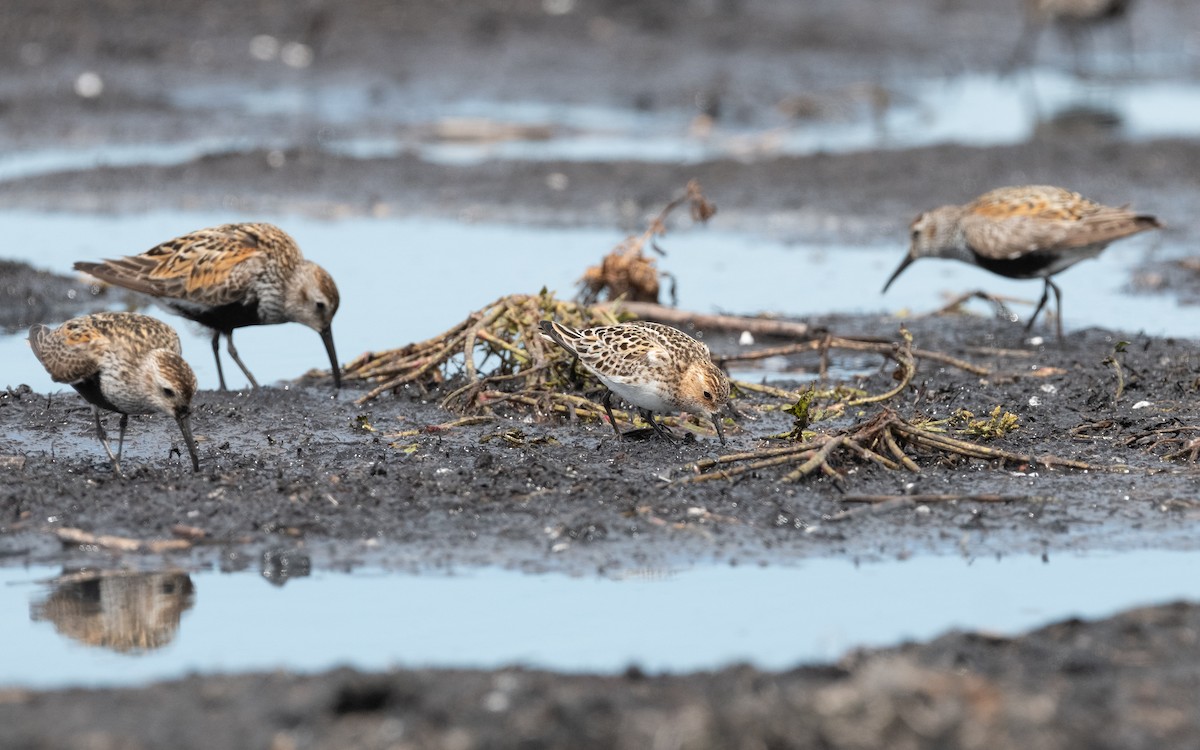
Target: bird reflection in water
125 611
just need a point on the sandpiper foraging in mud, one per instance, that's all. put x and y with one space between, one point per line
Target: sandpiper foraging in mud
1028 232
653 366
123 362
1073 17
232 276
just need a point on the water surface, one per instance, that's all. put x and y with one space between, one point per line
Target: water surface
405 280
128 628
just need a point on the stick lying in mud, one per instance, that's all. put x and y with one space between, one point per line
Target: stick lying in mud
985 498
760 326
120 543
880 439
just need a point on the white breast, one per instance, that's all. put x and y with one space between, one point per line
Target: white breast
642 394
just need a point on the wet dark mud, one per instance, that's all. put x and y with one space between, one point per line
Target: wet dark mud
300 467
295 479
1126 682
863 196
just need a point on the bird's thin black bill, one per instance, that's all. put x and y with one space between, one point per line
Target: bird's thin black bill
185 426
327 338
908 259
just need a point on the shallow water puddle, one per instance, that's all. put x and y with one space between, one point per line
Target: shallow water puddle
977 109
403 280
30 162
128 628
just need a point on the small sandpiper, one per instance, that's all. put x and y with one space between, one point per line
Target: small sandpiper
654 367
232 276
1026 232
123 362
1073 17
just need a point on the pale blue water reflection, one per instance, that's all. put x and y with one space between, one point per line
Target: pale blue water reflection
356 120
405 280
700 618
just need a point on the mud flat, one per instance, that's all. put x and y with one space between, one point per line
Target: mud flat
256 109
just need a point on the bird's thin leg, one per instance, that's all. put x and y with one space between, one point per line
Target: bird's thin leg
1129 45
100 433
607 401
121 438
217 356
233 353
1041 303
658 428
1057 307
1083 62
1022 54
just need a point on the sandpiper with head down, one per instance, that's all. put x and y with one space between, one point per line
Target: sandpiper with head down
122 362
654 367
1025 232
1074 18
232 276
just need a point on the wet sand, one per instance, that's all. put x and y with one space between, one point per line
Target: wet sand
295 469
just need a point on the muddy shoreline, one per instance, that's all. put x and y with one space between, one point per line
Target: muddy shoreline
301 467
295 479
1126 682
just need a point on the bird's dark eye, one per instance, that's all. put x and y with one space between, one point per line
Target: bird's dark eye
321 306
168 393
708 396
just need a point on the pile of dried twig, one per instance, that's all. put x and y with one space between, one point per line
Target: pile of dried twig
500 340
881 439
503 360
627 273
497 357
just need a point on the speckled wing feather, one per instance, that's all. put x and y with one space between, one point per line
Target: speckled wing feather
615 352
1108 224
1011 222
211 266
1043 202
675 339
75 350
139 333
68 353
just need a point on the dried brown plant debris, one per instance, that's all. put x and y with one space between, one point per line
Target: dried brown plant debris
627 272
500 359
498 344
885 439
503 360
1177 437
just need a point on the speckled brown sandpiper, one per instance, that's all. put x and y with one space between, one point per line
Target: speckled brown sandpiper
1028 232
653 366
123 362
232 276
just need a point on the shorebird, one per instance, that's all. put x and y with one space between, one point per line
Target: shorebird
654 367
1074 17
232 276
1026 232
122 362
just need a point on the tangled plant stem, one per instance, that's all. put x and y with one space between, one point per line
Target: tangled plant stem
867 440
